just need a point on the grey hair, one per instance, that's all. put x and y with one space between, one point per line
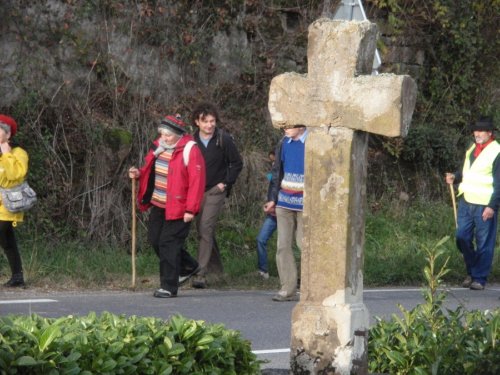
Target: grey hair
164 130
5 127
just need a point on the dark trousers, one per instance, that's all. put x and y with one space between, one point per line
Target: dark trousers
9 245
167 238
473 230
266 231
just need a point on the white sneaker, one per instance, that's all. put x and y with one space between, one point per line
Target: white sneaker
183 279
264 275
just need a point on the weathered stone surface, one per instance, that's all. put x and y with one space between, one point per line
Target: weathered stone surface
331 308
339 106
335 192
333 93
57 42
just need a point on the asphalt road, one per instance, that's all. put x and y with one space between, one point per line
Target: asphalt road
264 322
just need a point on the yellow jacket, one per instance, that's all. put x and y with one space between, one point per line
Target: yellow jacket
13 170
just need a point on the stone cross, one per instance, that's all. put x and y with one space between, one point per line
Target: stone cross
340 103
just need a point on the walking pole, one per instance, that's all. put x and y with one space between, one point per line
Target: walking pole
133 233
452 192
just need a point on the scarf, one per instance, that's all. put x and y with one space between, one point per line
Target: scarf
481 147
162 147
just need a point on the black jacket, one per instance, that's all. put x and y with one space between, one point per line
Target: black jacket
277 174
222 160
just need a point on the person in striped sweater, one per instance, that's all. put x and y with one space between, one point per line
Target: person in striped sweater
285 196
171 186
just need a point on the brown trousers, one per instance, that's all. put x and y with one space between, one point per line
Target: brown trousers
206 221
289 226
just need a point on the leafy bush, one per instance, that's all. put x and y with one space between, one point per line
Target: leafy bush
434 147
111 344
431 339
456 42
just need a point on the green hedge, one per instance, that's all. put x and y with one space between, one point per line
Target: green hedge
111 344
432 339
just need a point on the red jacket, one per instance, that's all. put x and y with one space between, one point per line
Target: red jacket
185 185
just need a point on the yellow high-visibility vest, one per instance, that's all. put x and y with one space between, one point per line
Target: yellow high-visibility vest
477 179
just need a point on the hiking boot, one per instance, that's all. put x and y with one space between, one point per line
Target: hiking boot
282 297
184 278
17 280
199 282
163 293
467 282
264 275
475 285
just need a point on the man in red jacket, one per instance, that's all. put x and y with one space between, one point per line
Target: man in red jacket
171 183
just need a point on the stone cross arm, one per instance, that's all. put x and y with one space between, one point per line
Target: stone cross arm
334 93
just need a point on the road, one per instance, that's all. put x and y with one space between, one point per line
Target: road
264 322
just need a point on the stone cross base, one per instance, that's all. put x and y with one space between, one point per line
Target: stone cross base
330 339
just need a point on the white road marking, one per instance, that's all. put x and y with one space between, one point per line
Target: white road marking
392 290
418 290
271 351
21 301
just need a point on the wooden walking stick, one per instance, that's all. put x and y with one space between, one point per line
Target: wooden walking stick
452 192
133 232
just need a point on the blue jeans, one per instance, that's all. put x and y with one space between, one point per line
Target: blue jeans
266 231
471 227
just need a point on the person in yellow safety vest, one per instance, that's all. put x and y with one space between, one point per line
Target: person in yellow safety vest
479 198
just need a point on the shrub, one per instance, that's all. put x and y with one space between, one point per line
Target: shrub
431 339
111 344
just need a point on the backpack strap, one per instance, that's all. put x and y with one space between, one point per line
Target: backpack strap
187 149
220 138
221 133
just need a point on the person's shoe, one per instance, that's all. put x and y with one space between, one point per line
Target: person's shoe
475 285
199 282
264 275
17 280
467 282
163 293
184 278
281 297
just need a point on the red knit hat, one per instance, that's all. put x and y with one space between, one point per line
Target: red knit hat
7 120
174 124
